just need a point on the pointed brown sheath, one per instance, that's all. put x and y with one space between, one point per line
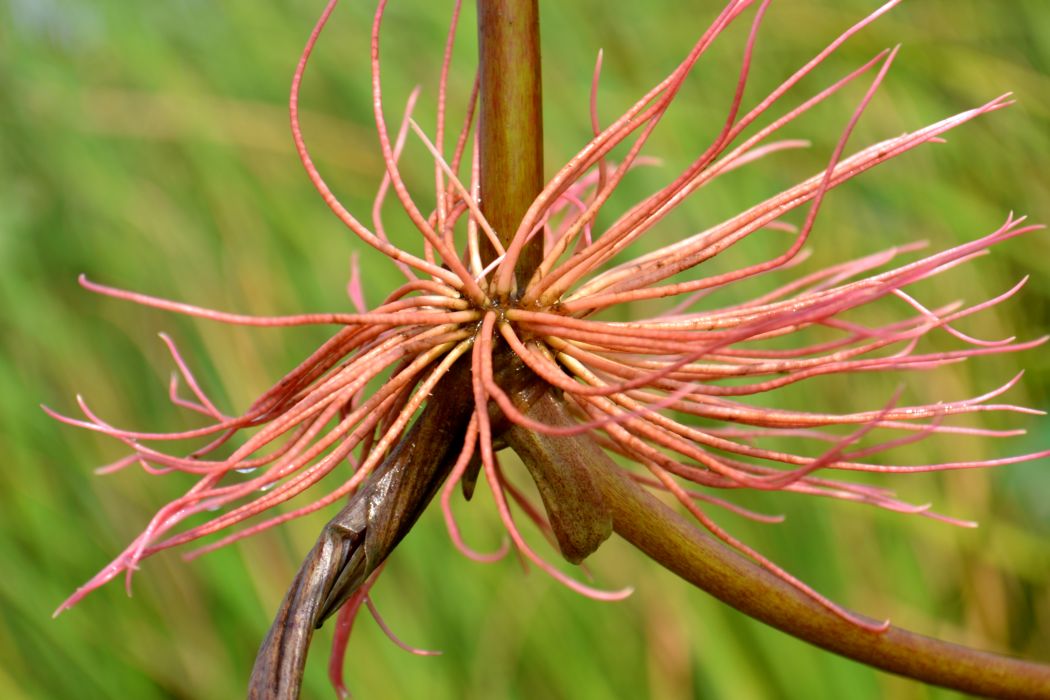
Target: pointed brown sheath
364 533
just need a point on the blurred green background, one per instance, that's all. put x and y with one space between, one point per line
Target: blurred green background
146 145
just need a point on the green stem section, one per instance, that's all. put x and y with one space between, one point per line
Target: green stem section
510 122
680 546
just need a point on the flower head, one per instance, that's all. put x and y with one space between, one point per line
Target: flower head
668 394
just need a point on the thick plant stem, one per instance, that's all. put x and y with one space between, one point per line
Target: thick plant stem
510 125
680 546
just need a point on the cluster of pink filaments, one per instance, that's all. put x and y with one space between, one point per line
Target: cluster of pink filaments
628 382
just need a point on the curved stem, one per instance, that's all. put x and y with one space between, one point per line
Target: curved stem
680 546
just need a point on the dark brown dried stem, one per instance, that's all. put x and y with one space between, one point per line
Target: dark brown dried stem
680 546
360 537
364 533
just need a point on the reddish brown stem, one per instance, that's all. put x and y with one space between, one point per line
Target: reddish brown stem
510 125
680 546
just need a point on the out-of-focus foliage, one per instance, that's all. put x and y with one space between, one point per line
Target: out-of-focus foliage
146 145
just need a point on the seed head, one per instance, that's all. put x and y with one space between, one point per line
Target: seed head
669 395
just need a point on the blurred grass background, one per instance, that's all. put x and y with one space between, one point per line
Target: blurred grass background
145 144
